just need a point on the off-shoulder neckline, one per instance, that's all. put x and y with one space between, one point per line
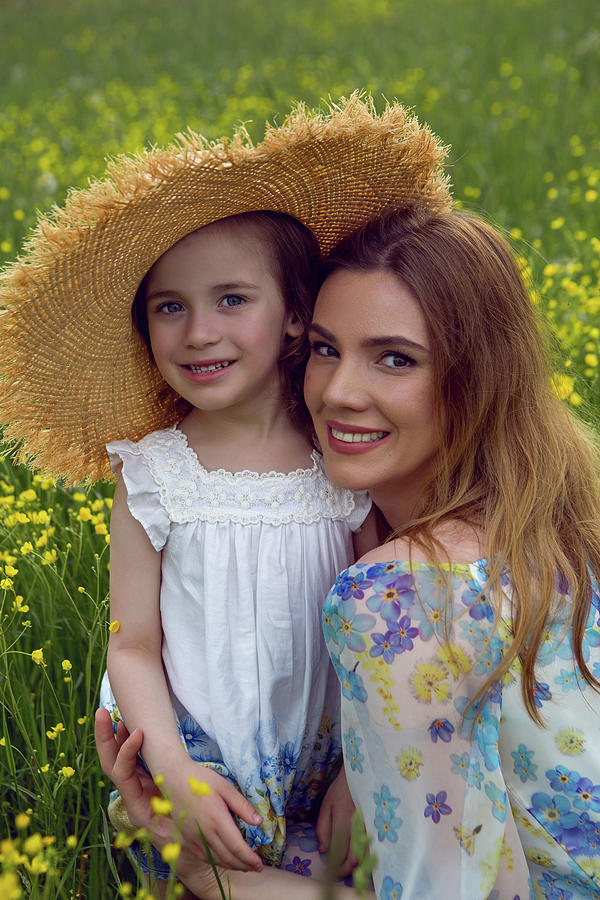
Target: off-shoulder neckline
477 564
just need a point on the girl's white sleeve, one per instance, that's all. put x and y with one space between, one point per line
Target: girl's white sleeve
143 496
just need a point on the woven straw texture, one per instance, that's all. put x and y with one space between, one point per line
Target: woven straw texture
74 373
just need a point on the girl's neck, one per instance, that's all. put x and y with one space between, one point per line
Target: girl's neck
235 443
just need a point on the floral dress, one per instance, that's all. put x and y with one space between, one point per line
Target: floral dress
461 800
246 561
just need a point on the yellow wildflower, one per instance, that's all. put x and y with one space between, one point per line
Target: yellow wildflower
38 657
10 571
26 548
50 557
45 767
199 788
9 886
114 626
2 741
161 806
79 497
33 844
122 840
85 514
101 529
66 665
67 771
19 606
71 841
170 852
22 820
6 583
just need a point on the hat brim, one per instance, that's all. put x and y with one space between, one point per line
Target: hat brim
74 373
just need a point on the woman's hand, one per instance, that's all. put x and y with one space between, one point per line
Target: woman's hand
118 758
333 826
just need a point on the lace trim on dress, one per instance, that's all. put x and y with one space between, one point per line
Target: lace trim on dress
189 492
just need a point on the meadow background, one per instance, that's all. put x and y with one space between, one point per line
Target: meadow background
512 86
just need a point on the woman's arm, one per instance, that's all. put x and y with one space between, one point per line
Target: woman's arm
138 681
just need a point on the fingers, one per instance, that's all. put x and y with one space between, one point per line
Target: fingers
229 849
324 826
105 741
239 805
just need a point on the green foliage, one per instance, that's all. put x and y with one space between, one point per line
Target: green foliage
511 86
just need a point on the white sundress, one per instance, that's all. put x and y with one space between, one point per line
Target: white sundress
247 560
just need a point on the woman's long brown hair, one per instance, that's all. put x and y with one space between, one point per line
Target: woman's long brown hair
514 460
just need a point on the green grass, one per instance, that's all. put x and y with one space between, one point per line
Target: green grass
511 86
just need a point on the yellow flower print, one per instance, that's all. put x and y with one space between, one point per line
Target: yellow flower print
429 682
570 741
409 763
539 857
591 867
455 659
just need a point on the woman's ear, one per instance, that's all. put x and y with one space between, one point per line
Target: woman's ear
294 326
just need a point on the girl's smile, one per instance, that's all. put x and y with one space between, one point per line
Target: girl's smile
369 386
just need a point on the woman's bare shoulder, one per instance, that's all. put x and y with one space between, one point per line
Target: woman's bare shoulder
460 543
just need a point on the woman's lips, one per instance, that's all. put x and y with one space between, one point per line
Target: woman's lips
352 439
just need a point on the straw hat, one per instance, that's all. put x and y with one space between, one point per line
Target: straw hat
74 373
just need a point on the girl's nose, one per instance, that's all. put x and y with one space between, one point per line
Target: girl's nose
201 330
346 387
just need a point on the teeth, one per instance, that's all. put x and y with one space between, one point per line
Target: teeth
212 368
353 437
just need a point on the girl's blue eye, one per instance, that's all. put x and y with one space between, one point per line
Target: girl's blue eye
394 360
231 301
170 306
319 348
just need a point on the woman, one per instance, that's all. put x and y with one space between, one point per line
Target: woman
467 647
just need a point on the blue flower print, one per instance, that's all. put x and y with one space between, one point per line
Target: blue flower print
569 681
384 568
541 693
563 779
524 767
554 813
588 795
199 746
348 626
437 806
351 583
395 641
491 650
590 640
353 754
289 757
390 890
484 725
386 821
391 595
328 630
460 765
477 603
441 728
299 866
475 778
498 798
352 684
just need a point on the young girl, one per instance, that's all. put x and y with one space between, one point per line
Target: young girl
222 513
227 522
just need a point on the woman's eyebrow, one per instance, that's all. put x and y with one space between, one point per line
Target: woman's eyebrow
372 341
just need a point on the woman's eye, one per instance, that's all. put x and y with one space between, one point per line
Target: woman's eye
396 360
231 301
321 349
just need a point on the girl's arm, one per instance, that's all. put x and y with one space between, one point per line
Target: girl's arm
138 681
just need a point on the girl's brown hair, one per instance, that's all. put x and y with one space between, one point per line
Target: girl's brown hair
514 460
295 261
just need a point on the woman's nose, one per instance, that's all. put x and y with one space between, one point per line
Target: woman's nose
346 387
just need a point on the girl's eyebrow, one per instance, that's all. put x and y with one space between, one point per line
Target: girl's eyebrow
217 288
373 341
